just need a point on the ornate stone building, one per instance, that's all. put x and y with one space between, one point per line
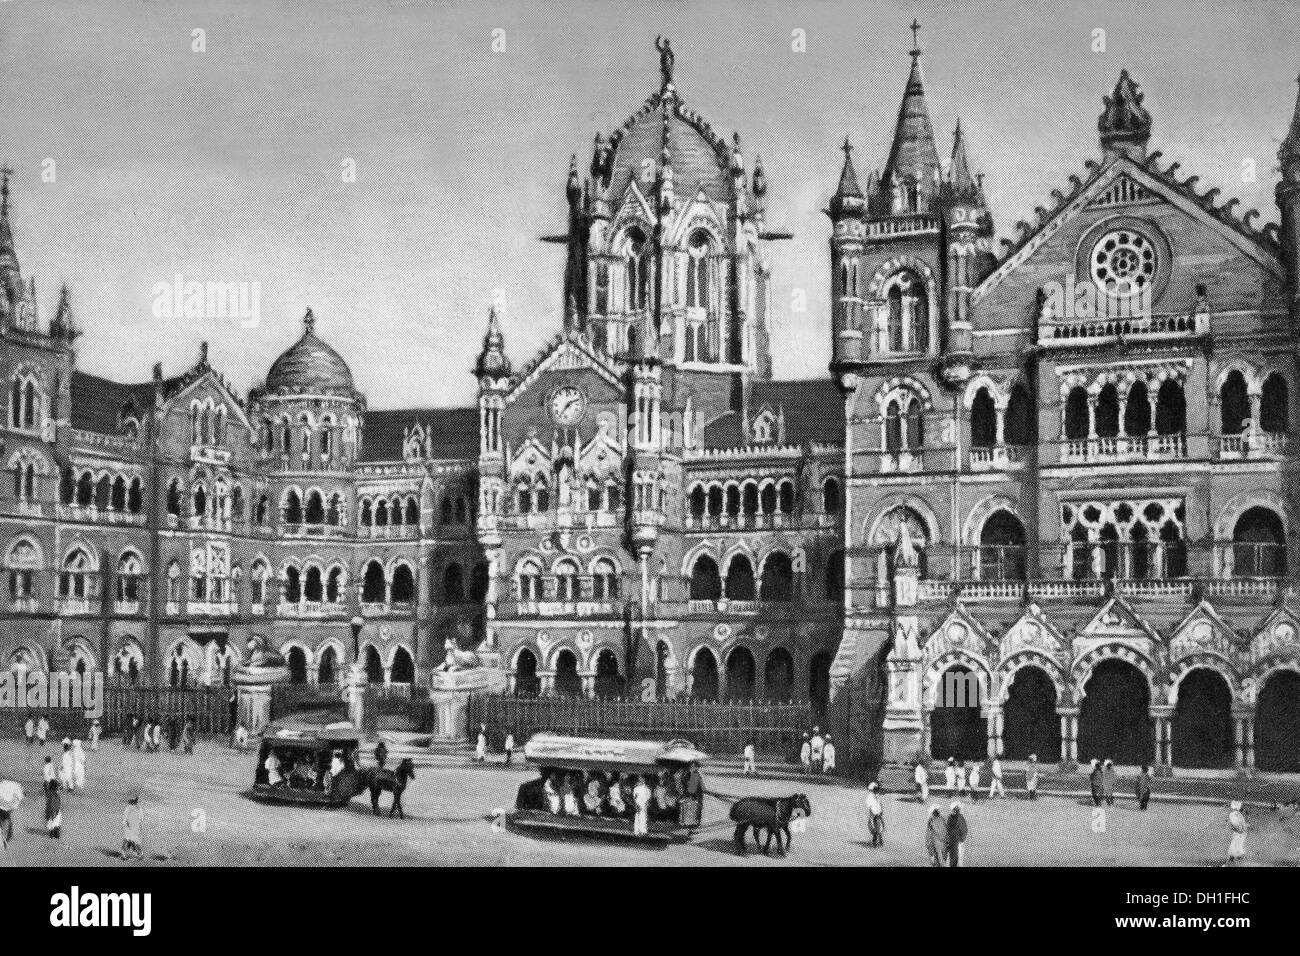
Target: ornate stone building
1055 476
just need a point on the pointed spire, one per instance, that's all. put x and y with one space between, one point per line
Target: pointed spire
961 185
848 199
573 187
10 275
308 323
913 157
492 362
1124 124
1289 154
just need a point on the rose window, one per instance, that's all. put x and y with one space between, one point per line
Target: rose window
1124 262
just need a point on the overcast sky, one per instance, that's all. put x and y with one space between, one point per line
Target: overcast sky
226 165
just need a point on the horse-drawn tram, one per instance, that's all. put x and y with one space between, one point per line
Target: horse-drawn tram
643 790
308 764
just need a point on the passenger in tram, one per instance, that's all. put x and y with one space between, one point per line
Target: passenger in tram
570 790
665 797
593 801
615 802
552 794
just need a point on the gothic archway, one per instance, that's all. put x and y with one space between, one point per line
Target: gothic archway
567 681
956 727
1115 718
1029 721
704 675
740 674
1277 723
1202 731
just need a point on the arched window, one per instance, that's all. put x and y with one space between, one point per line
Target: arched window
75 578
706 582
381 513
479 581
1019 426
638 268
785 497
334 586
1258 545
291 510
395 512
697 270
444 513
453 585
831 496
292 585
403 588
263 509
1108 412
103 492
1274 415
297 661
704 675
22 562
261 572
740 579
334 513
412 512
604 580
566 581
529 576
1076 414
778 578
403 669
715 501
908 319
329 665
1002 548
117 497
373 584
983 420
1137 411
767 498
129 574
1171 408
523 499
835 576
314 587
526 682
1234 404
904 429
367 516
697 502
315 510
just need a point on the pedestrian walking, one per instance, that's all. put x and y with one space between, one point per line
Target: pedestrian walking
961 778
1108 780
187 736
78 766
1031 777
1238 827
750 767
975 770
133 829
816 748
922 777
128 730
996 789
49 774
828 755
805 754
96 729
29 728
936 836
641 800
65 765
950 775
42 730
958 831
509 747
53 810
1094 782
145 740
875 815
1143 787
157 735
480 751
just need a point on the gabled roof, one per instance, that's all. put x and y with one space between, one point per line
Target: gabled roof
97 403
573 347
814 408
1262 245
454 432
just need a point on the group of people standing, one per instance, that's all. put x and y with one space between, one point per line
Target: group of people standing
817 752
676 797
149 735
66 776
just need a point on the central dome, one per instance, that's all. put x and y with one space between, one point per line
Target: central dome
309 367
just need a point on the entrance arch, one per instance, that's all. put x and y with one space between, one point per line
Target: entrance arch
609 682
567 681
956 727
1115 718
297 661
403 669
704 675
1203 721
1029 721
740 674
1277 723
819 681
374 666
778 675
526 682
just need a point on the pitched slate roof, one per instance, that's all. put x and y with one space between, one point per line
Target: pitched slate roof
814 409
454 431
97 403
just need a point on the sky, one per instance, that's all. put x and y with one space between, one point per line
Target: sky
226 163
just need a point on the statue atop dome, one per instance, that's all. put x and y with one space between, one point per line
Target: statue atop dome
665 60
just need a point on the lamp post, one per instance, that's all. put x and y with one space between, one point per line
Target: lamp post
357 624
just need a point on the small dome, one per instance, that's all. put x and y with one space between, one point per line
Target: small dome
309 366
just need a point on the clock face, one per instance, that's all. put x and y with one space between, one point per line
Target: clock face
567 405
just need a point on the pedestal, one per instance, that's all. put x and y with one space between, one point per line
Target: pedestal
253 703
354 692
449 692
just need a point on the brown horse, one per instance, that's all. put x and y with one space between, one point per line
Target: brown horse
377 780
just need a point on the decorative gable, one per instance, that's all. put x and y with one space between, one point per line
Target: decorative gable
1118 621
1203 631
1032 633
959 634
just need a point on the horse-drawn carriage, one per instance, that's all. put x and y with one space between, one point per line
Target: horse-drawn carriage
587 786
309 764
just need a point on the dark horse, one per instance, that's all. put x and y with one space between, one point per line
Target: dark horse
772 814
377 780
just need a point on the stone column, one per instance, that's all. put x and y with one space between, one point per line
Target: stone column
1069 732
995 721
1164 721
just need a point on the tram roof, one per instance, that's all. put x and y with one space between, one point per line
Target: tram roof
592 753
293 733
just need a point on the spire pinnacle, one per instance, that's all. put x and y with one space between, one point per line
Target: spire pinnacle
1289 154
916 38
308 322
1124 124
912 171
